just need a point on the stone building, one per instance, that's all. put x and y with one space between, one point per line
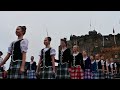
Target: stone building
95 42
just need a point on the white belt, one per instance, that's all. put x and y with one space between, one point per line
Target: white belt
46 67
16 60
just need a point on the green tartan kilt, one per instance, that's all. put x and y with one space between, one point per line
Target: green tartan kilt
14 71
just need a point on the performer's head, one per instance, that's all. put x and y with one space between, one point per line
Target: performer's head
32 58
108 60
20 31
91 57
1 53
97 56
63 43
102 57
75 48
84 53
47 41
116 56
111 59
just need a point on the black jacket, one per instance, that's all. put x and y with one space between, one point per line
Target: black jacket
33 66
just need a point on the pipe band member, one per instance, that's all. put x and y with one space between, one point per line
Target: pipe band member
110 75
87 66
47 61
112 68
104 66
17 50
100 65
93 67
106 69
31 69
64 61
77 66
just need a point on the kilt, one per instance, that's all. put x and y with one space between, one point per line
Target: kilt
114 74
1 72
100 74
94 75
105 75
31 74
76 73
110 76
1 75
4 75
87 74
14 71
62 71
46 73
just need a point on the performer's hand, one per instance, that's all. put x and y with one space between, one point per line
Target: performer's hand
69 69
103 71
22 69
53 71
0 64
36 73
37 70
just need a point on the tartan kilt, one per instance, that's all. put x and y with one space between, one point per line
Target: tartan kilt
46 73
110 76
62 71
1 75
31 74
87 74
114 74
100 74
105 75
94 75
76 73
14 71
1 72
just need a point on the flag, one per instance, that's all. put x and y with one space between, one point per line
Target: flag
47 32
113 30
114 36
103 41
90 23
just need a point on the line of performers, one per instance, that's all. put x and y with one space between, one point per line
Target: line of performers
73 65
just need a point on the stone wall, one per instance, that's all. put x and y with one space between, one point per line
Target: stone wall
93 42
